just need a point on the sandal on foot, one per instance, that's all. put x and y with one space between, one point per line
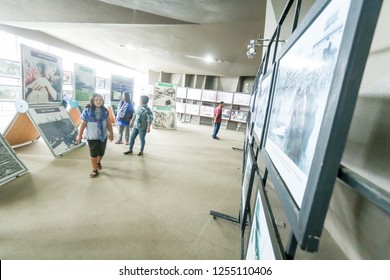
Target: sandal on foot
99 166
94 173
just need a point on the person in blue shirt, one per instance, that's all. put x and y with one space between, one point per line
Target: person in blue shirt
141 122
123 116
94 127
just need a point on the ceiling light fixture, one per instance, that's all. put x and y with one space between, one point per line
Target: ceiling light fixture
208 58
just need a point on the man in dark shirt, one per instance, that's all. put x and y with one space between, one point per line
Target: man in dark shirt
217 119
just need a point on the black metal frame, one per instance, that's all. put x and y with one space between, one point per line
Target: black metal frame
307 220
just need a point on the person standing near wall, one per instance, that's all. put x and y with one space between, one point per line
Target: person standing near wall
217 119
123 116
95 122
141 121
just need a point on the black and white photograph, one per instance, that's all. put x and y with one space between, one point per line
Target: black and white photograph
9 68
239 116
42 76
56 128
206 111
243 99
164 95
301 95
261 103
10 93
192 109
226 97
164 118
209 95
181 92
10 165
194 94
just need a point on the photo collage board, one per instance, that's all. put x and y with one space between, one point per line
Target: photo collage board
164 106
294 132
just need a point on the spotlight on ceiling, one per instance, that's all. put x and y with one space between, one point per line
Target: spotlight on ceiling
251 48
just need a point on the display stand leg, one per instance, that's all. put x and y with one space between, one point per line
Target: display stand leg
223 216
291 247
237 149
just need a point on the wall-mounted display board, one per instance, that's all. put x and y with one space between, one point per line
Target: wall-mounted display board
194 94
312 109
21 131
120 85
241 99
206 111
226 112
41 75
192 109
264 241
209 95
10 165
226 97
239 116
85 82
10 93
164 117
181 92
9 69
56 128
261 106
180 107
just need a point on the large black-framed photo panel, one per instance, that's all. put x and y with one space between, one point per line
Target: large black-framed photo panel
10 165
316 87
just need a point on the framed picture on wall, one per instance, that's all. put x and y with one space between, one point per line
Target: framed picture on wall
242 99
194 94
209 95
306 135
192 109
9 68
226 97
181 92
10 93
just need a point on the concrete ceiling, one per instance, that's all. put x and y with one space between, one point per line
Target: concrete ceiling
159 35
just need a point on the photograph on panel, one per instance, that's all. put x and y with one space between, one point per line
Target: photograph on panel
164 95
42 76
301 95
10 165
56 128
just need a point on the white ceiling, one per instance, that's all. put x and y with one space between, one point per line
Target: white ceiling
159 35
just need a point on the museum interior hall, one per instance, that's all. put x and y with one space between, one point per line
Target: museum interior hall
298 170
